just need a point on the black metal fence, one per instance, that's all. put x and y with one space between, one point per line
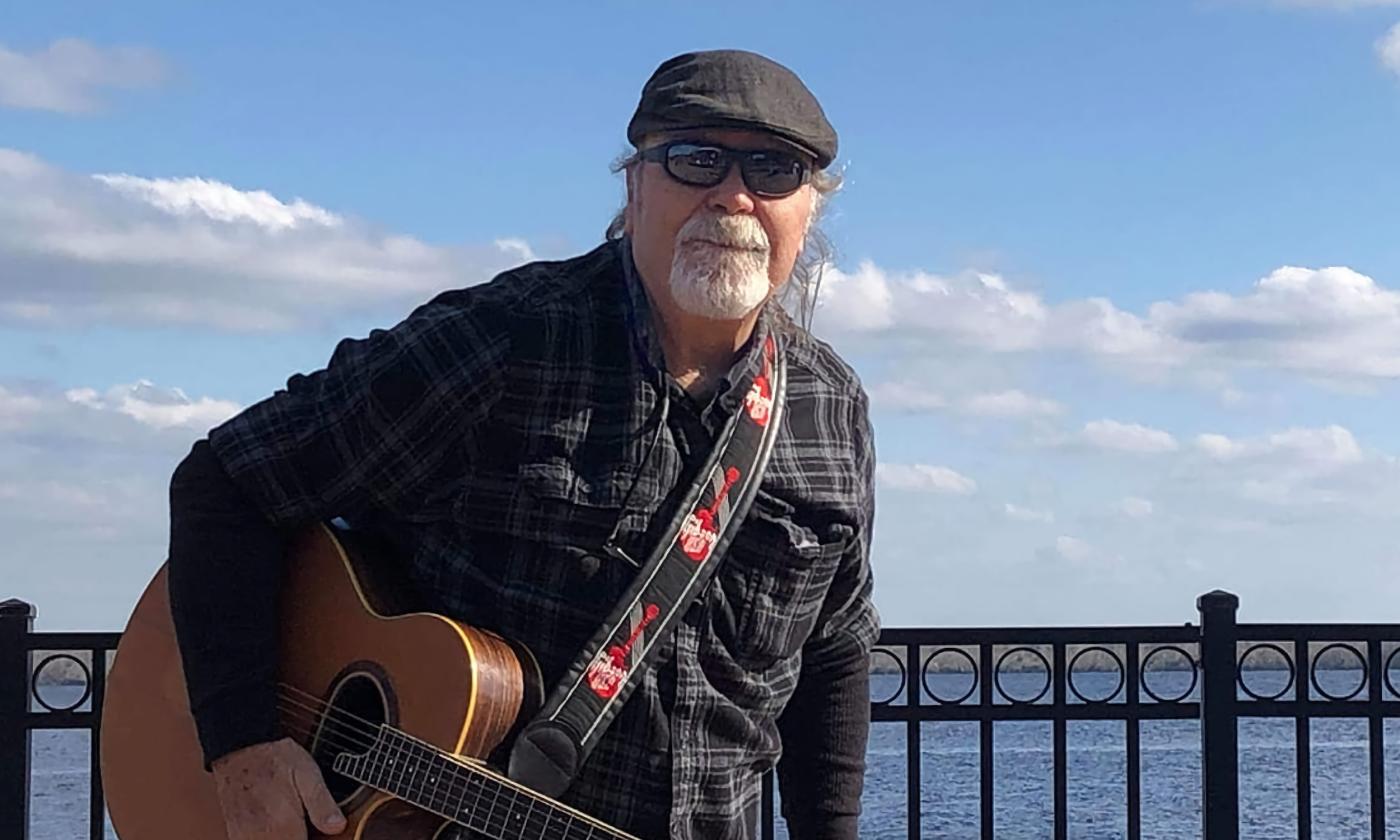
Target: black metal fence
1217 653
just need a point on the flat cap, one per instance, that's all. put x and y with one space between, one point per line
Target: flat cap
733 89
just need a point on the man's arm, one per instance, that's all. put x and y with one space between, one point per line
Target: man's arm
827 723
825 729
224 573
390 417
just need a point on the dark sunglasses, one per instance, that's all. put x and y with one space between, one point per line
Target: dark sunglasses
771 173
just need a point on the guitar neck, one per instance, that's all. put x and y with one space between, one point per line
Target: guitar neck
467 793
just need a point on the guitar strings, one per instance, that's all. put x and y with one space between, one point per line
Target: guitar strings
306 728
311 721
301 710
350 732
315 705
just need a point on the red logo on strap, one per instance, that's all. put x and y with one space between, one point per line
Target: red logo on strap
607 673
701 528
759 400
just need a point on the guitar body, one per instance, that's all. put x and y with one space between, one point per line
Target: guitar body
351 660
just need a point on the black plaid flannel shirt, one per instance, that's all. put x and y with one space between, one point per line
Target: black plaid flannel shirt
494 435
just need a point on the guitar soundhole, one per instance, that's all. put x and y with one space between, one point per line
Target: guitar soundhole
357 707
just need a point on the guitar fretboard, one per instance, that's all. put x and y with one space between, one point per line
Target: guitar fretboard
471 795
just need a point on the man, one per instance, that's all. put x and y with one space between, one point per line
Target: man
522 441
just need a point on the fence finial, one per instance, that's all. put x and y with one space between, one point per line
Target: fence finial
14 607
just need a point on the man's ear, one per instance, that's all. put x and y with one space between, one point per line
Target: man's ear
812 212
631 175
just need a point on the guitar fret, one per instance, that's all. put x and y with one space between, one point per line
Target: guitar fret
474 810
374 771
436 788
468 812
513 818
495 803
529 812
400 759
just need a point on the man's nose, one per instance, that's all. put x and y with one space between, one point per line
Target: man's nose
731 195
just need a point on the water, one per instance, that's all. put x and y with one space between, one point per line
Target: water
1023 790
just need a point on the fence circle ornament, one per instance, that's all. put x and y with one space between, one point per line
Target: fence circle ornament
1385 673
903 677
996 676
1116 689
950 701
44 663
1317 685
1239 671
1142 677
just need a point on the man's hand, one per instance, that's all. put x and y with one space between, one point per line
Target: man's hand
267 791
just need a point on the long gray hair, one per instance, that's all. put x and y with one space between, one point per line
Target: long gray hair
799 294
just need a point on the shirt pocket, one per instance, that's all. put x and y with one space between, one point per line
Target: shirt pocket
777 577
553 519
546 500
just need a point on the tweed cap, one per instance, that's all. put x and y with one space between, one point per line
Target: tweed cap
733 89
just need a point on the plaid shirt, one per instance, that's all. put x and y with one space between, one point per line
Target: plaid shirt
496 435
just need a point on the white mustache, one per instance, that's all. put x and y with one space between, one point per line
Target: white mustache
743 232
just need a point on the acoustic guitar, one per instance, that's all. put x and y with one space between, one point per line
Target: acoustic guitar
400 709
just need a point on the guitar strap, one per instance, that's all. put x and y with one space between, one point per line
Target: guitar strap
551 748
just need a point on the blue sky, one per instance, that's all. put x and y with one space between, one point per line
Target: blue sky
1120 278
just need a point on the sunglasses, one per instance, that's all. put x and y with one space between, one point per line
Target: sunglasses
770 173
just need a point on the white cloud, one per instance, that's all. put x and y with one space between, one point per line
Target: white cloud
1028 514
914 398
924 477
1315 321
67 75
1127 437
861 301
17 409
190 251
971 308
82 465
1011 404
84 479
517 248
1320 469
1328 446
159 408
1073 549
1324 322
1388 48
193 197
980 310
1075 556
906 396
122 415
1135 508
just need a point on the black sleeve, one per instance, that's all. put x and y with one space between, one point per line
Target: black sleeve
826 725
224 573
825 729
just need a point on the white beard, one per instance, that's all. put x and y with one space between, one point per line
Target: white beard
720 283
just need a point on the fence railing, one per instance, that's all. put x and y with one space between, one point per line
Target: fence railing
1209 663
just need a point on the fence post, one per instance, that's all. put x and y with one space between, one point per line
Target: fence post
16 621
1220 747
